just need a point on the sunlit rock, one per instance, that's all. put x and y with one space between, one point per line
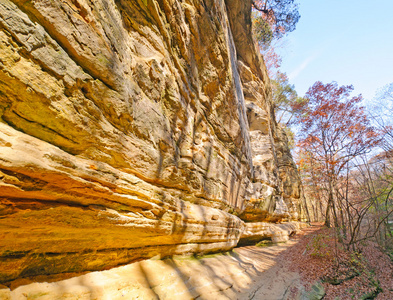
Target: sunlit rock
130 129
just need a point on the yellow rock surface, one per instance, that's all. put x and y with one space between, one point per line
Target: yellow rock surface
127 130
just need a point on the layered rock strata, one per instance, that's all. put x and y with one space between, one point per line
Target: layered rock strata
127 131
277 233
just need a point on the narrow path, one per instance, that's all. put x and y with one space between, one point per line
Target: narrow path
245 273
275 280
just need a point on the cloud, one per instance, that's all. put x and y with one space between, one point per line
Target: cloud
321 48
303 65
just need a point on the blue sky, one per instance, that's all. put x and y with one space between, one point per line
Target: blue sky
348 41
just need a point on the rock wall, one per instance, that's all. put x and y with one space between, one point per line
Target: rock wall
130 129
274 193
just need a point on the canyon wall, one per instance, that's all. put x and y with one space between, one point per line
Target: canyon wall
133 128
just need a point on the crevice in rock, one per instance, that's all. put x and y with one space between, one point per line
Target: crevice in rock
43 126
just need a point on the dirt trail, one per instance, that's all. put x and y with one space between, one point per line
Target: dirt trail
245 273
274 280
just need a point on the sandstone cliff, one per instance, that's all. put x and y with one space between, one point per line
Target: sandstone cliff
130 129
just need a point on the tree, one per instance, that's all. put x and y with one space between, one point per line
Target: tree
335 130
373 180
275 18
272 19
287 104
262 32
312 181
381 115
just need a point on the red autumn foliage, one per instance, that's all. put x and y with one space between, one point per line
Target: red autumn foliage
334 126
334 131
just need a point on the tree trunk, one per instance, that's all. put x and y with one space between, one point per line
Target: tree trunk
327 213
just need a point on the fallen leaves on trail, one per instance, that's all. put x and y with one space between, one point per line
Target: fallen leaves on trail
318 256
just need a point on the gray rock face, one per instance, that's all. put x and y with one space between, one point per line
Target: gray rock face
132 128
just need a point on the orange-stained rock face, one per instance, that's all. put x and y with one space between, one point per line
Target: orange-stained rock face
124 133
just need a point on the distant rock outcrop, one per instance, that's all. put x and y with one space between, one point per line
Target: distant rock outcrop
130 129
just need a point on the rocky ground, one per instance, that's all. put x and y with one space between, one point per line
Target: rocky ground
283 271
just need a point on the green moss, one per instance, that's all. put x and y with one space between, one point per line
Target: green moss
102 59
264 243
210 255
36 295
